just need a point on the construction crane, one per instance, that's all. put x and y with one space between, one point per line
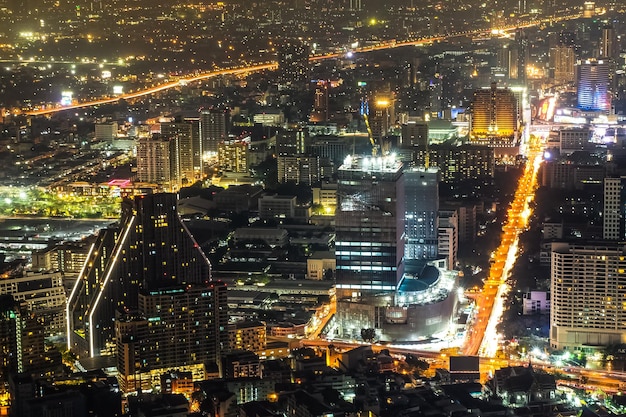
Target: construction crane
364 112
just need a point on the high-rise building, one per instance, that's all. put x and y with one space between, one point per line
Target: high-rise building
214 127
614 216
299 169
494 117
522 43
293 65
587 294
563 63
22 341
292 142
421 199
150 250
174 327
369 224
594 79
43 294
156 161
232 156
608 43
381 118
320 102
448 236
189 146
457 163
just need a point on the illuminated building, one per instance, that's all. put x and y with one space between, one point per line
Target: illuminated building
608 43
22 341
563 63
320 102
293 65
150 250
105 131
457 163
292 142
247 335
43 295
587 294
300 169
494 117
156 161
594 78
381 118
574 139
214 127
189 148
369 225
421 199
175 327
522 44
448 236
233 156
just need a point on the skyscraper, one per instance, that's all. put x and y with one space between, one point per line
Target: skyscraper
214 127
563 63
189 146
369 226
421 198
608 43
594 78
157 162
494 117
150 250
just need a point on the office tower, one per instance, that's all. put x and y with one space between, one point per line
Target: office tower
614 213
156 161
414 134
214 128
189 147
594 78
233 155
421 199
180 327
608 43
563 63
369 224
293 65
494 117
458 163
587 294
150 250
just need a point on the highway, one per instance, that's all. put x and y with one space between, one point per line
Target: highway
483 339
274 65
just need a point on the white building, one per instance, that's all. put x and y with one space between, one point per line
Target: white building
588 295
319 263
448 236
536 302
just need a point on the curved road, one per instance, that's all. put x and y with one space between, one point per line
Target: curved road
274 65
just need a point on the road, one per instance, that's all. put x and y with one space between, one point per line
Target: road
274 65
483 339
